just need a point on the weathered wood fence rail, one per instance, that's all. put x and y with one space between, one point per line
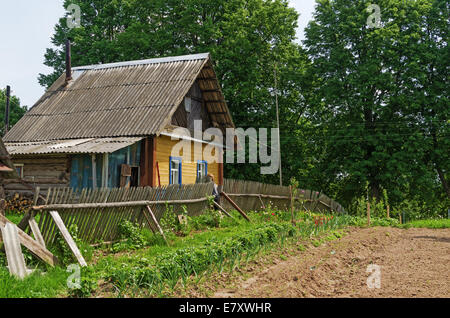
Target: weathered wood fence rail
98 212
254 196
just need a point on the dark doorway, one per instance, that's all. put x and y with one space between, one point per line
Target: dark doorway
135 174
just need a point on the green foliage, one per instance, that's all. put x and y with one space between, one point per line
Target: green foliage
62 250
380 103
131 237
37 285
210 219
151 238
361 221
377 209
169 267
359 106
88 284
431 224
247 39
16 111
169 220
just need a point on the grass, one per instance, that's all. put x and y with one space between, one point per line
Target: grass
15 218
145 266
430 224
37 285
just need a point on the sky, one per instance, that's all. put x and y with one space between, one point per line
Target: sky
26 28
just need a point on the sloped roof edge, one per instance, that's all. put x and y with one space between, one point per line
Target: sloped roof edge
192 57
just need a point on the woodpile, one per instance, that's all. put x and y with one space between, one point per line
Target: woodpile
18 204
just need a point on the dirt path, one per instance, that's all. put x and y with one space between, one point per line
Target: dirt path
414 263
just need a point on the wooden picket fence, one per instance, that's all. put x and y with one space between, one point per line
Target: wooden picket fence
99 222
255 196
98 212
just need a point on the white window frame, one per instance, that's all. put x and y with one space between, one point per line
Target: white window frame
202 169
175 171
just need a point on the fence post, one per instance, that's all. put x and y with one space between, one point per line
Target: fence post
368 213
388 212
292 204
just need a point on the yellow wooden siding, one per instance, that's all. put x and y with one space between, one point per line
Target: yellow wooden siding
164 146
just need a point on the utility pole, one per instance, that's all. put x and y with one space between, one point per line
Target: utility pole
8 97
278 123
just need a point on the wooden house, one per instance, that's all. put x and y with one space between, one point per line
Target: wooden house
7 172
113 125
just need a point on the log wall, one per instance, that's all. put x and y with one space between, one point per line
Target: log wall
44 171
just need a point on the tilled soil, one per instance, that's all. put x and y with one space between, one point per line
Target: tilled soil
413 263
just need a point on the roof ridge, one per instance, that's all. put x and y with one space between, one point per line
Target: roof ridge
158 60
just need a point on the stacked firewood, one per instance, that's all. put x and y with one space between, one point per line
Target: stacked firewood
18 204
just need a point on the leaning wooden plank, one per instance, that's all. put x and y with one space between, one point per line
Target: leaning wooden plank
37 249
235 206
263 206
36 232
156 222
67 237
222 209
149 223
16 261
24 222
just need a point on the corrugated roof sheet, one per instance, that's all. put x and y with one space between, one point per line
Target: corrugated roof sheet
93 145
135 98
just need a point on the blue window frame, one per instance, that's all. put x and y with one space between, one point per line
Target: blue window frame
175 170
202 169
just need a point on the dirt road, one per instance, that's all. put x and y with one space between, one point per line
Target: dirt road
413 263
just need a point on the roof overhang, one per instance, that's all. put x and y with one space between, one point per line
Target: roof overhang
180 133
72 146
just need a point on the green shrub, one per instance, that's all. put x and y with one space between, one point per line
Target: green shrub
210 219
131 236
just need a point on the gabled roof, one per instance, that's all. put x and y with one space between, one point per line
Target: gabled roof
127 99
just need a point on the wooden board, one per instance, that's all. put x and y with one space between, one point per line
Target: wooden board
36 232
235 206
156 222
217 205
11 240
68 238
33 246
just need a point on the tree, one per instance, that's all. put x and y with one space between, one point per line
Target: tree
381 95
246 38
